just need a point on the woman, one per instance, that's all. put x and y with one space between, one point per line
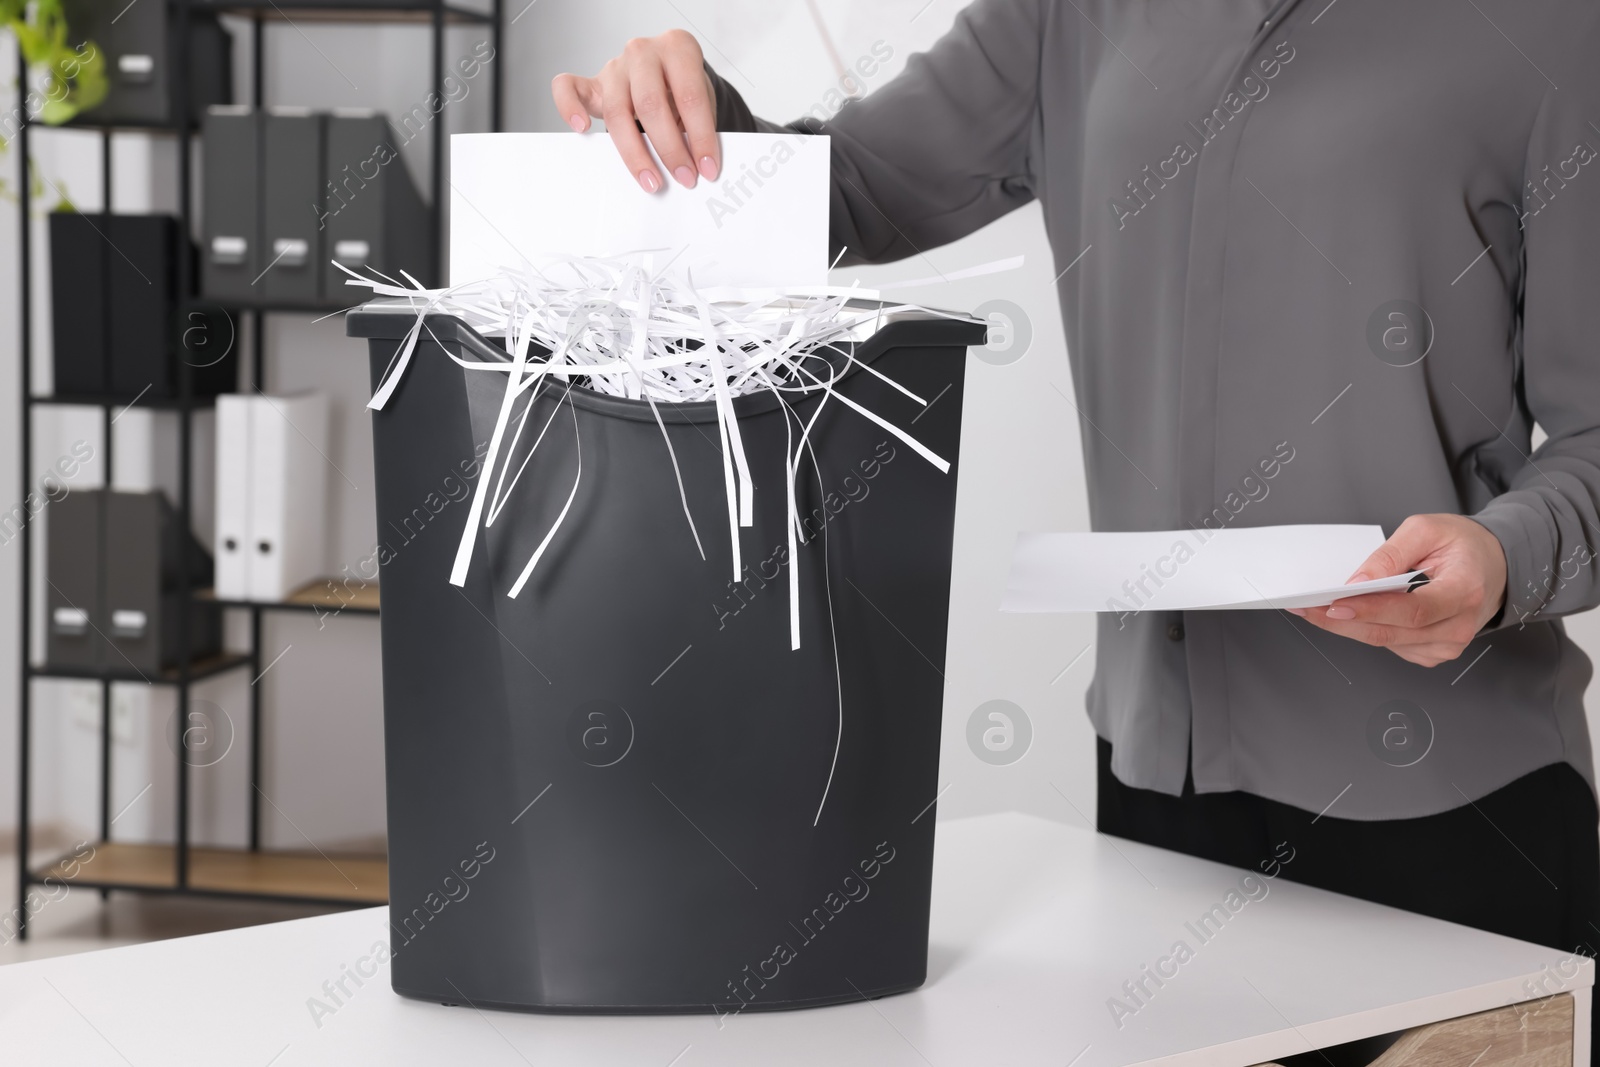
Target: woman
1346 252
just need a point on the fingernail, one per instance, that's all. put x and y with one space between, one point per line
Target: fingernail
1297 611
648 179
1358 576
1341 613
685 177
578 123
708 168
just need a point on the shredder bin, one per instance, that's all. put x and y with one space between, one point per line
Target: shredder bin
631 742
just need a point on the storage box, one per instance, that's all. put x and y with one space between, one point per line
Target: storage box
141 43
119 327
374 219
288 190
114 560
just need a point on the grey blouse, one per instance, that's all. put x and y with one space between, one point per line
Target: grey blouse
1341 257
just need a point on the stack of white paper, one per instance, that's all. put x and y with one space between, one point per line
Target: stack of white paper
1189 570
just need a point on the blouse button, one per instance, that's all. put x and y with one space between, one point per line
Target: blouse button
1175 632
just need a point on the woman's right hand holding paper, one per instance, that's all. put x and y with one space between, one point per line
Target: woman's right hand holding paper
661 84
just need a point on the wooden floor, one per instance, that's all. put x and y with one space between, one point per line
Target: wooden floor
304 875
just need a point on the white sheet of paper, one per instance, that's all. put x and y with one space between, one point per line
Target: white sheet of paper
1171 570
517 197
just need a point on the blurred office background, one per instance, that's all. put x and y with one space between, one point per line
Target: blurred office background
321 755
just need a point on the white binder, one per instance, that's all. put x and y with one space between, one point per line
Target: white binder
233 497
288 492
272 477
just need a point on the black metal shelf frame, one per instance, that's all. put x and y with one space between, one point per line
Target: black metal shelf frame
106 887
107 400
436 15
198 670
297 606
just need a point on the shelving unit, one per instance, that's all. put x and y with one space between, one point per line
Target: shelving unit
180 868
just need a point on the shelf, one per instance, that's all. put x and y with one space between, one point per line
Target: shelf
200 668
116 125
286 309
358 598
301 876
327 310
345 11
102 400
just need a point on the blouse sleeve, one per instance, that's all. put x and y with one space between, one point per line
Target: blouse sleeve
945 148
1548 520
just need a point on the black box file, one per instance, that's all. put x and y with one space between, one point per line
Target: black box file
141 45
288 190
80 310
75 635
292 260
568 757
373 215
230 168
113 601
120 329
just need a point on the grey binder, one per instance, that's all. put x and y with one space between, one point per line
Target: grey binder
230 174
374 217
291 191
74 637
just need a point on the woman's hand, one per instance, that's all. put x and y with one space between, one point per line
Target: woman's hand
661 82
1466 568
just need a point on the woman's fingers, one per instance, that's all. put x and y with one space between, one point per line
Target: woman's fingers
661 83
577 99
616 108
647 83
1431 603
1428 655
1451 633
1435 623
685 69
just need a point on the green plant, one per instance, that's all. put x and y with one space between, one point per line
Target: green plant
74 75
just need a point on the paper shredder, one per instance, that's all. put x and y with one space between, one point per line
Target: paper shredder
621 791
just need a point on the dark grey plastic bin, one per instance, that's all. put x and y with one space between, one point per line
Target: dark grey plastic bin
601 794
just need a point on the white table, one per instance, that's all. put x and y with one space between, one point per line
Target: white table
1035 927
